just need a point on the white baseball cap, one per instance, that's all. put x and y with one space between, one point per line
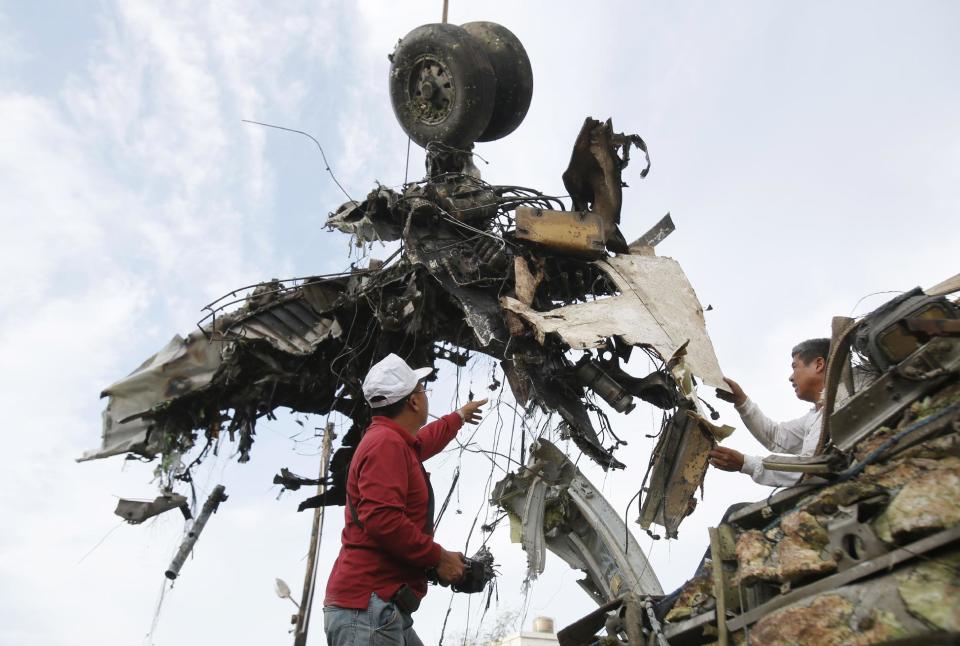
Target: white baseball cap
390 380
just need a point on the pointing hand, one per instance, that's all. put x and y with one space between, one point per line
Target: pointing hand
471 411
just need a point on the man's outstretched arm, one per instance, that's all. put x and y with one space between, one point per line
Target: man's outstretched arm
779 437
437 434
730 460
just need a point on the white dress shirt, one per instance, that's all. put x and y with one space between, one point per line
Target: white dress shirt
795 437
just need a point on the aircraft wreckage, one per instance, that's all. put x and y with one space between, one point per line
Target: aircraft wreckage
562 301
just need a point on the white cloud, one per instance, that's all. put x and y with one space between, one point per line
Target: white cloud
128 200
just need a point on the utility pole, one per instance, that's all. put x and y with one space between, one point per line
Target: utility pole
310 577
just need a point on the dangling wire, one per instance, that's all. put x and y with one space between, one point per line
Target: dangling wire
313 139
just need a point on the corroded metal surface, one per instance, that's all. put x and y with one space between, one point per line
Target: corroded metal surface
553 506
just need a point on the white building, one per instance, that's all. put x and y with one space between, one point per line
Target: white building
541 635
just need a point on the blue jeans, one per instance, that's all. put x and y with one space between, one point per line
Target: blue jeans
381 623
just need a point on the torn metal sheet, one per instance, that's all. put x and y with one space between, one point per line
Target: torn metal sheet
292 482
655 235
369 220
656 307
182 367
525 280
593 176
558 509
679 465
137 511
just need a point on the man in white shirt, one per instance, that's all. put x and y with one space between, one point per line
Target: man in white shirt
797 437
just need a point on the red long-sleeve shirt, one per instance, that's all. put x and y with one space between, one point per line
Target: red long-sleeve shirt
387 487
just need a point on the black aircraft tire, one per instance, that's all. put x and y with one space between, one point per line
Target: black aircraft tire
442 86
511 65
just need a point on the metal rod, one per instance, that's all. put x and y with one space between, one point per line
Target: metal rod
310 577
216 496
446 5
719 586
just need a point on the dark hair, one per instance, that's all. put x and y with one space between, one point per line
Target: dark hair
394 409
811 349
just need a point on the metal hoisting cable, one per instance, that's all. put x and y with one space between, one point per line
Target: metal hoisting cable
310 577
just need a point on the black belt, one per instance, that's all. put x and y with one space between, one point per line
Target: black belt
406 600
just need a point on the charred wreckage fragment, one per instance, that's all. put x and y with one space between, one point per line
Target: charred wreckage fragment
466 279
505 271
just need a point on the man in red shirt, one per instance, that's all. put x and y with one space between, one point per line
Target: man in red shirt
379 577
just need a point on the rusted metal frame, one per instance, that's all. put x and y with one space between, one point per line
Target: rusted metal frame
847 524
633 620
934 327
310 576
934 420
695 623
839 355
887 561
753 515
921 433
583 630
892 392
837 325
719 586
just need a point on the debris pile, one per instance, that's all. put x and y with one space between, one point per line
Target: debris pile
865 550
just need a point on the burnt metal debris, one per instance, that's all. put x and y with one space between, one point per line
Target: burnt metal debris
137 511
551 505
465 280
212 504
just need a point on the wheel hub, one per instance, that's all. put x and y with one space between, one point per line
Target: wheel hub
432 91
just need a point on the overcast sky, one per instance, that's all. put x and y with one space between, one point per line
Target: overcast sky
809 153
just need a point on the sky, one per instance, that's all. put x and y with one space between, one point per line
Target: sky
808 153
